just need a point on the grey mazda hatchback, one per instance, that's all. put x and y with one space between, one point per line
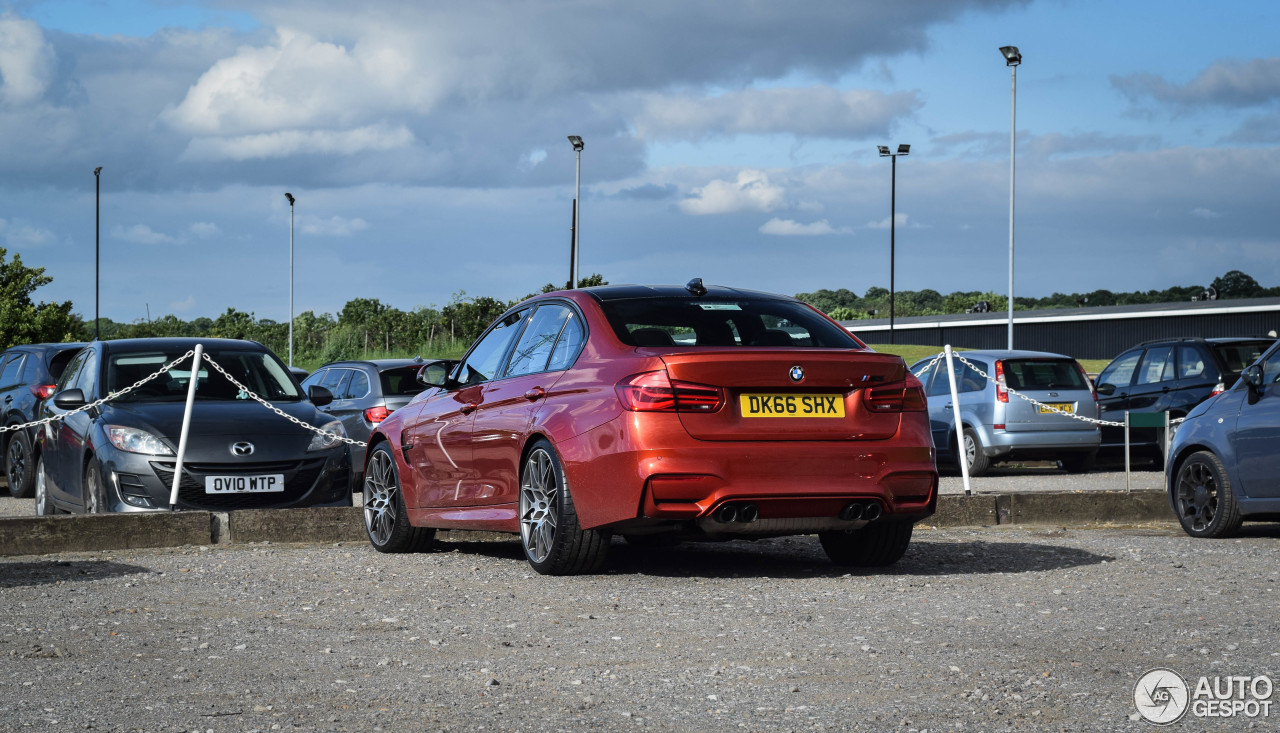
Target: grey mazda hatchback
121 456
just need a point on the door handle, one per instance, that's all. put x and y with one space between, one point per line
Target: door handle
947 406
535 394
468 408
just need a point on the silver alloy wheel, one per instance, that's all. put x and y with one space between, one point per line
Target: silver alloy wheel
16 465
539 490
42 490
970 449
92 492
380 490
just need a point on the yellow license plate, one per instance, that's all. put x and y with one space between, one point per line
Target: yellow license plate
1067 407
792 405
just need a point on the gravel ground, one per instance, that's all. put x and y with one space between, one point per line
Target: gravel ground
995 629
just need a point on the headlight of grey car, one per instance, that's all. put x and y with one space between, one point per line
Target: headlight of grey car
134 440
321 442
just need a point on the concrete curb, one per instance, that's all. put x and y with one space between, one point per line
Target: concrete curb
46 535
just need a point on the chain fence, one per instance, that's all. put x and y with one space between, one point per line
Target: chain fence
164 370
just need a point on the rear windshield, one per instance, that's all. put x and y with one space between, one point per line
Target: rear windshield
1235 357
1043 374
401 381
723 322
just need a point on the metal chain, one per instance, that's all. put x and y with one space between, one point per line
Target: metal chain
1037 403
102 401
278 411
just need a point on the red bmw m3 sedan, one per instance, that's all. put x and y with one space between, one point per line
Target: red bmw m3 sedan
659 414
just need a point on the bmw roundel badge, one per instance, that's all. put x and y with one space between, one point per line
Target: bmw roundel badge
797 373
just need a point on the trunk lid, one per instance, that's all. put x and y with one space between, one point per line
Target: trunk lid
764 402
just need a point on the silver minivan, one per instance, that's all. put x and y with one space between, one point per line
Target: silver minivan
1000 426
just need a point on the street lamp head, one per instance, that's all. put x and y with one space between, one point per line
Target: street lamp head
884 150
97 171
290 197
904 149
576 141
1011 55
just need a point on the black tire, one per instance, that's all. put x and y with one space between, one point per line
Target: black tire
876 545
44 505
17 466
94 490
385 518
553 541
978 461
1076 462
1203 498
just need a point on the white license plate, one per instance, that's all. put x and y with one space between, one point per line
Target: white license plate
244 484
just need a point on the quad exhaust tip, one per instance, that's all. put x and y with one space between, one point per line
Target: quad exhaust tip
856 510
745 513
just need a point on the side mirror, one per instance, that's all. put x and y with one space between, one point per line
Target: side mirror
70 399
319 396
1106 389
1252 376
436 373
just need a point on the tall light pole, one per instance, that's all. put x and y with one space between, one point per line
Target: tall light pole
893 220
1011 59
291 200
97 237
576 142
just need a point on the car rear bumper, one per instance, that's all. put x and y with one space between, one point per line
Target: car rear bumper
647 467
1029 444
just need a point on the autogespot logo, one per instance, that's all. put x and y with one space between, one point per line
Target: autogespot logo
1161 696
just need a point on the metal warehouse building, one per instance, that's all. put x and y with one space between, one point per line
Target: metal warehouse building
1083 333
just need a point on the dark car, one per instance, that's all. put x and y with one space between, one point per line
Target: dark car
1169 375
239 455
27 376
659 414
1224 466
365 393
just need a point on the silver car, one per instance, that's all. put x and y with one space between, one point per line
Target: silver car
1000 426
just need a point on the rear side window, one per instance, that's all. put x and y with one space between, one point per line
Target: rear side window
358 386
1023 374
1235 357
1157 366
400 381
12 370
570 343
533 350
967 378
723 322
31 372
1191 364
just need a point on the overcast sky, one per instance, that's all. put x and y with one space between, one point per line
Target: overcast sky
733 140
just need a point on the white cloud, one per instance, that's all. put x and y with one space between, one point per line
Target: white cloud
791 228
334 226
811 111
20 235
27 61
1204 213
752 191
298 142
141 234
204 230
183 306
899 220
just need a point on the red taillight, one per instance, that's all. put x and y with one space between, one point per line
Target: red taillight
898 397
1085 376
1002 387
43 391
376 415
656 392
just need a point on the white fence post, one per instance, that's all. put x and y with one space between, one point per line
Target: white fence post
962 456
1127 487
186 424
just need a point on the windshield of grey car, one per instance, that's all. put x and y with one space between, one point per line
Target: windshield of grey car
259 371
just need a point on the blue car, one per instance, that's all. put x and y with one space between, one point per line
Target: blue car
1225 459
